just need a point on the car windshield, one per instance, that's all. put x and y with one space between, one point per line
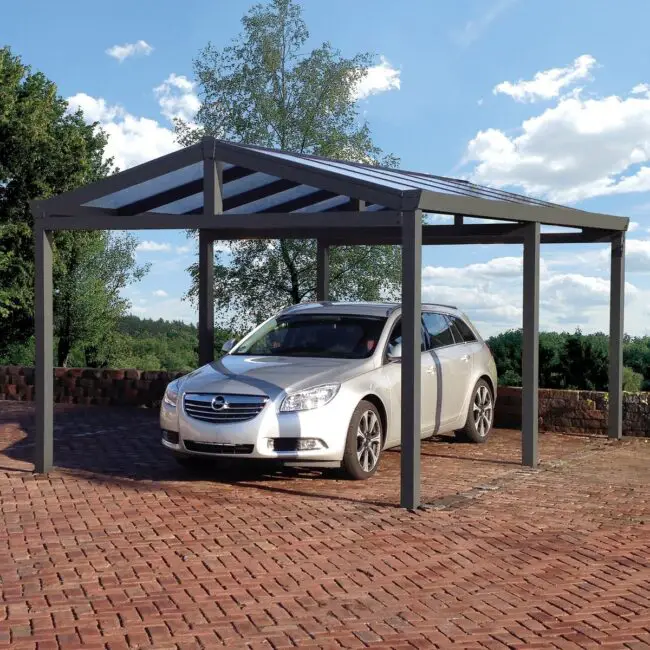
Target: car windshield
300 335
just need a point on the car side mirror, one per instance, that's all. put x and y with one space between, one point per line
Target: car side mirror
395 352
228 345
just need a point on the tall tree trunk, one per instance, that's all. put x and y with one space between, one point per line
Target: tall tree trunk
293 274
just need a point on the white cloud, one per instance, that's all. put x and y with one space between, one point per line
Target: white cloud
378 79
170 309
182 250
131 140
475 28
139 310
122 52
177 98
633 225
160 293
640 89
548 83
491 294
153 247
577 149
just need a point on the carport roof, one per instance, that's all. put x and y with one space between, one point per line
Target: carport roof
258 181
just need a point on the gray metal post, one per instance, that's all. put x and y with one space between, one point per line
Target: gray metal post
212 205
43 318
616 309
530 353
411 358
322 271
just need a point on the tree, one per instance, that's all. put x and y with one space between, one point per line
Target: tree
264 89
46 150
87 300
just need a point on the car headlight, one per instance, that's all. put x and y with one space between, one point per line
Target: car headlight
171 394
311 398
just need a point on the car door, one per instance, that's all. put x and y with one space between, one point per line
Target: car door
428 381
453 364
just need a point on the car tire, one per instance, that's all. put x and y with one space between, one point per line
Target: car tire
364 442
480 414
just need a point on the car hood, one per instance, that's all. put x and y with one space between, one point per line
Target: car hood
271 376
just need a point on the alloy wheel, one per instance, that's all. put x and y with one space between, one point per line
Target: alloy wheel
368 440
483 411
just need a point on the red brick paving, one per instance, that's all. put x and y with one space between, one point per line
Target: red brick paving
119 548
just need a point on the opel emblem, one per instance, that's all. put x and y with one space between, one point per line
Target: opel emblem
218 403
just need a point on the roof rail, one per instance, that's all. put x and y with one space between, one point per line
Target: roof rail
306 303
437 304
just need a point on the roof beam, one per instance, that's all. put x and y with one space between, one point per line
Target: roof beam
227 226
470 206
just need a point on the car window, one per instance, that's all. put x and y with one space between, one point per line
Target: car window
464 329
458 337
332 336
396 337
439 330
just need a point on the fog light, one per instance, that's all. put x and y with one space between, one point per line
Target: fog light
308 444
295 444
171 436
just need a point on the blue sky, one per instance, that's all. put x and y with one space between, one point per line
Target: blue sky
546 98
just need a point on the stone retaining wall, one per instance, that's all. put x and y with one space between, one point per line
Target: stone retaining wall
564 411
575 411
89 385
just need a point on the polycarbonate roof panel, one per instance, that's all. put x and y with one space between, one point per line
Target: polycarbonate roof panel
273 200
368 174
150 188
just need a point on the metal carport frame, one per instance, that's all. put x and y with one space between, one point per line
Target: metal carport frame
229 192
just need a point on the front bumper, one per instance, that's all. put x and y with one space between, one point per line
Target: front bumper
268 436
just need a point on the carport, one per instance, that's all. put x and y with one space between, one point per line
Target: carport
231 192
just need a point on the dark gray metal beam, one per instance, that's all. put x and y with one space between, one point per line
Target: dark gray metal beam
322 271
411 359
530 352
470 206
487 234
616 331
44 380
228 226
212 202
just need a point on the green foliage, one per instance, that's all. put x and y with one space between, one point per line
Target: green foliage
572 361
45 150
632 381
267 89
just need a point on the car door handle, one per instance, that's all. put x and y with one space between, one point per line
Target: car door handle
465 357
431 370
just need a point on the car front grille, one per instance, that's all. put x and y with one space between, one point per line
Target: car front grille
207 448
223 409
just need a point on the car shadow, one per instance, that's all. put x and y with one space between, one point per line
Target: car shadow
123 444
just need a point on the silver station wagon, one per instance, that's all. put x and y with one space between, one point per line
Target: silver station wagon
320 385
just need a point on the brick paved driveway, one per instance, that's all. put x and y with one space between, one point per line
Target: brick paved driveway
119 548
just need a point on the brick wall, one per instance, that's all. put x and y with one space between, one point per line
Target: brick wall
89 385
559 410
575 411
